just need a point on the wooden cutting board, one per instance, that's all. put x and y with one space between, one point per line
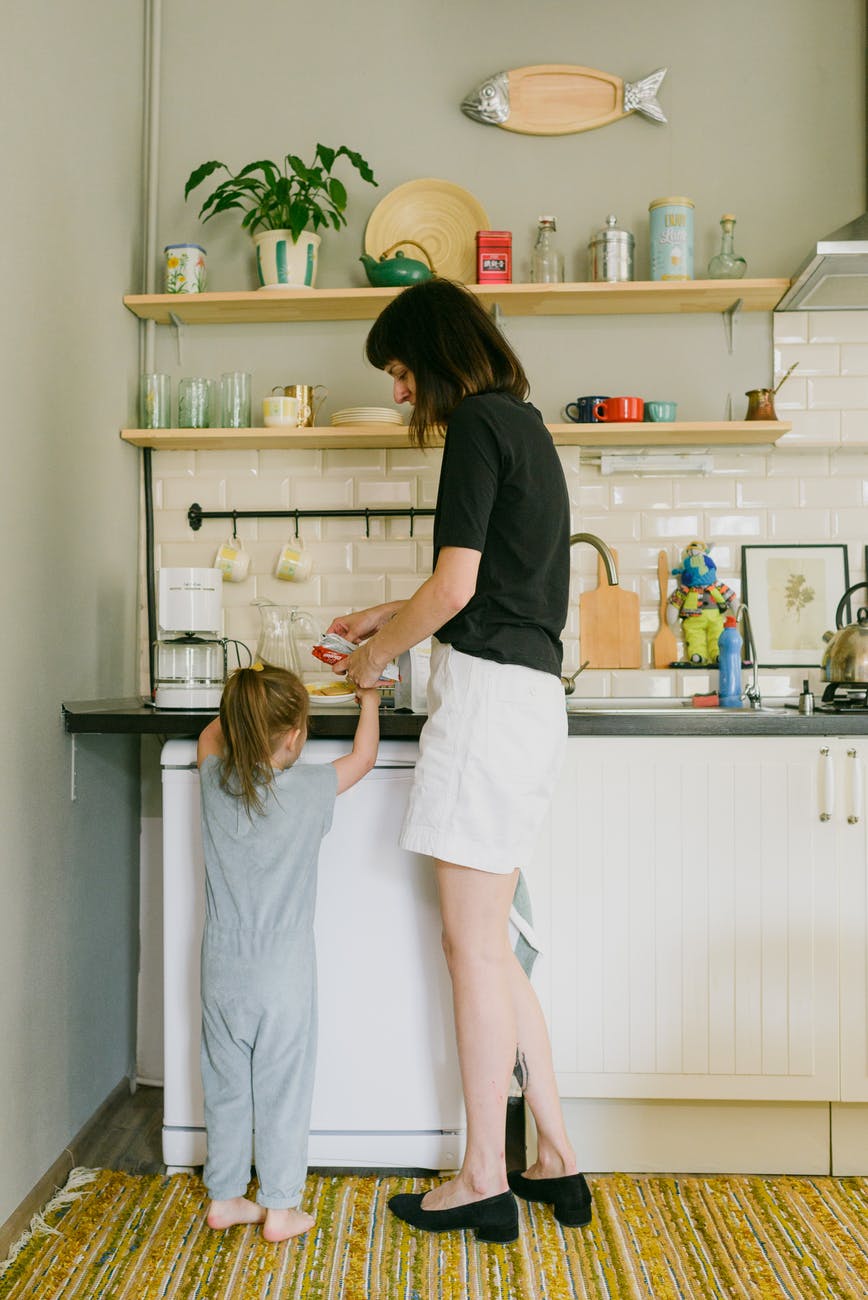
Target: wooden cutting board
609 624
664 647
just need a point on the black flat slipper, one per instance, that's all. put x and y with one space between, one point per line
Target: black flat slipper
570 1196
493 1219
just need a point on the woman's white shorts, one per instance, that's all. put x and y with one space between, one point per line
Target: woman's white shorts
489 756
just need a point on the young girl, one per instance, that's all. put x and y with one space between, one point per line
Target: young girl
263 819
492 745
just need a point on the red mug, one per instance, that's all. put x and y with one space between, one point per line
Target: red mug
619 410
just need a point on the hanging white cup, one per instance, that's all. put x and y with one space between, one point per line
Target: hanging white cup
232 560
293 563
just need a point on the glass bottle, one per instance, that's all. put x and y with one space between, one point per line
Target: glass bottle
546 262
726 265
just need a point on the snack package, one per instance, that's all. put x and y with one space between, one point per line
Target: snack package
332 648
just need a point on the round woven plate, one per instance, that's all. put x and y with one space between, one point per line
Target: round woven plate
441 216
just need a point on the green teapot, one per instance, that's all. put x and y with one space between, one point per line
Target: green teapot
397 271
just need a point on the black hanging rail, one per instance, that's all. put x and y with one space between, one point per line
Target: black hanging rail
196 514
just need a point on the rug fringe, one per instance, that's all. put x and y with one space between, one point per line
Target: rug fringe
74 1187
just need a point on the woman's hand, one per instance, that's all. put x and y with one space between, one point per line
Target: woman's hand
361 668
365 622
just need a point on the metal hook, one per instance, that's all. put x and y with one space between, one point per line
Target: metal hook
296 525
412 516
235 525
367 522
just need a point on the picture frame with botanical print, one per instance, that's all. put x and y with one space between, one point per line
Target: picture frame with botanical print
792 592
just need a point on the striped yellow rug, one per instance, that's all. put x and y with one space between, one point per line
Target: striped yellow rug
144 1238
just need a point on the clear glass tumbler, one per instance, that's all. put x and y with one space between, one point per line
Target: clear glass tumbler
235 400
155 401
195 403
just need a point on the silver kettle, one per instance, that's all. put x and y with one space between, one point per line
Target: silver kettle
847 651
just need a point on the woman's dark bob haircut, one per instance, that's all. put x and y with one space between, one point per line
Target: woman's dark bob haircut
440 332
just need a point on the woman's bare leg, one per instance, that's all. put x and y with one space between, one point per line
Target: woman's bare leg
536 1077
475 909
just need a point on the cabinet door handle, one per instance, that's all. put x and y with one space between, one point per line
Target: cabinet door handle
827 785
857 787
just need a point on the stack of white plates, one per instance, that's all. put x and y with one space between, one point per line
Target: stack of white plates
367 415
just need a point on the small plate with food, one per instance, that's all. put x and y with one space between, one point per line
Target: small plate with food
330 691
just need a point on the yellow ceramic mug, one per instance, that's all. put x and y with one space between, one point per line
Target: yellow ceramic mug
279 411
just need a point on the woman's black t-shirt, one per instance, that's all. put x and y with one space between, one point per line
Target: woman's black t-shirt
502 492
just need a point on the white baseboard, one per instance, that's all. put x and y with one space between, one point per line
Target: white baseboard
849 1140
705 1137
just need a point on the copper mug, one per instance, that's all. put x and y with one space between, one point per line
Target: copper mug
308 402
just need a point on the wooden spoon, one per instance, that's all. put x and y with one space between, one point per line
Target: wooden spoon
664 647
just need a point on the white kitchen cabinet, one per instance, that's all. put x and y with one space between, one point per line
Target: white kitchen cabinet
845 780
685 895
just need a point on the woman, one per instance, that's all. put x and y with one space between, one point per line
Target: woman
491 748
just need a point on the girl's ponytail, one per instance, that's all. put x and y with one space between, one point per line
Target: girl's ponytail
259 706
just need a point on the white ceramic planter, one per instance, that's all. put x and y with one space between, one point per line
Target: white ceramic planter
281 264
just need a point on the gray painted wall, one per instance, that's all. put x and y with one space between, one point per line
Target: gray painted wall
71 97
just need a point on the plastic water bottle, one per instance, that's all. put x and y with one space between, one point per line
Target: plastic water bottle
729 665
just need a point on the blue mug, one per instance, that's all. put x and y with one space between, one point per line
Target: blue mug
584 410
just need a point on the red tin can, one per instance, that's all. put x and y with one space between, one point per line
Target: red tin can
494 256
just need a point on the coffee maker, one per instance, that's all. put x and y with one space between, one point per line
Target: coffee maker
190 654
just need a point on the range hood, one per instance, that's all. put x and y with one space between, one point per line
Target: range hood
835 275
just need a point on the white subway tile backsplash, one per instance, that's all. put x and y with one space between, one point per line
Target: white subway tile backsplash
799 525
168 464
813 359
841 492
384 557
836 326
177 493
854 427
704 493
792 397
355 591
787 463
223 463
365 459
756 493
385 492
810 427
666 525
791 327
744 524
854 359
334 493
852 523
642 494
286 463
838 393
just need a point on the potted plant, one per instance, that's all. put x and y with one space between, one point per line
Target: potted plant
283 208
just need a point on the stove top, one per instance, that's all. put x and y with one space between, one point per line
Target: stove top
845 697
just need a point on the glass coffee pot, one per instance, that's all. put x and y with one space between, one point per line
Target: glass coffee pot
287 636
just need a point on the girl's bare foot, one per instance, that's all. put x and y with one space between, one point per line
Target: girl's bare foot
280 1225
225 1214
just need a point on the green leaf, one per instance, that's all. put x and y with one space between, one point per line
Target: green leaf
297 166
337 193
359 163
326 156
202 172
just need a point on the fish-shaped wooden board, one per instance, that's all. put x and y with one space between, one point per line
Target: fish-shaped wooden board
560 99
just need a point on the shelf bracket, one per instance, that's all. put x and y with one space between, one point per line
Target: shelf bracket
179 334
729 322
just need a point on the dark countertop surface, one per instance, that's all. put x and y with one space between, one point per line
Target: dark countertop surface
133 716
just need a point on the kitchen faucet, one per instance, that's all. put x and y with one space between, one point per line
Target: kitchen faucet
606 555
569 683
752 692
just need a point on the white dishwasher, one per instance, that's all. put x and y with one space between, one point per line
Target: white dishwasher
387 1090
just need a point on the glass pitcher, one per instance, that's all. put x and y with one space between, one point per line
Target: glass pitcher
287 636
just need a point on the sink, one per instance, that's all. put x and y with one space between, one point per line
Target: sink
650 705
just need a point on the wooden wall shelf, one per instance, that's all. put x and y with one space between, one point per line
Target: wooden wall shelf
730 433
640 297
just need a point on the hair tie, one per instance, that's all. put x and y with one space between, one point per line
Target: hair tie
257 667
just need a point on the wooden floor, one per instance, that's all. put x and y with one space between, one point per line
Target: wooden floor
129 1137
